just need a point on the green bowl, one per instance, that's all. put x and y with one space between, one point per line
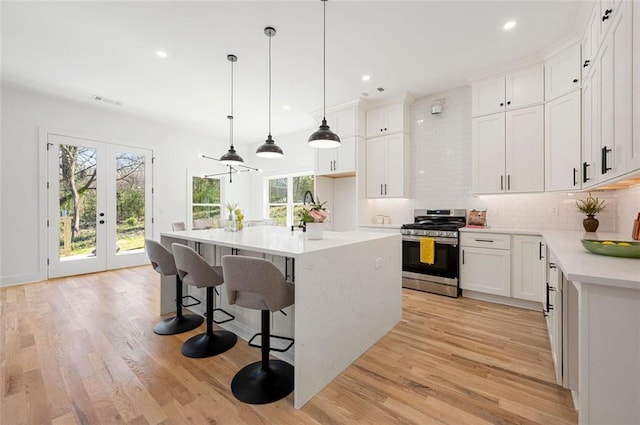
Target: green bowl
596 247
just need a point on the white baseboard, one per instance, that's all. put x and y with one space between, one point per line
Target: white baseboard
514 302
19 279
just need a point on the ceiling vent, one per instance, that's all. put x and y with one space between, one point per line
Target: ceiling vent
107 100
380 89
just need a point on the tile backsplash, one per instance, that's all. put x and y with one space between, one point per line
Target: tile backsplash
441 178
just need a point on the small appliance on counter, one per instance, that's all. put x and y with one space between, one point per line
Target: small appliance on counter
430 251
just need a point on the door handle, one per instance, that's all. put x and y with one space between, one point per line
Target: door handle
605 168
585 165
574 176
540 250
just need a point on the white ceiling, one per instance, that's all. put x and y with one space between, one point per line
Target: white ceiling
78 49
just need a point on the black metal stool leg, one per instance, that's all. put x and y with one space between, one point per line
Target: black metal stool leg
265 381
209 343
180 323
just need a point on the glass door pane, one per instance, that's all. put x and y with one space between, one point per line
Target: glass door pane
129 205
130 202
76 206
77 189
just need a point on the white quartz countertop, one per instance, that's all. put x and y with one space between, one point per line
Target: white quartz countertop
580 265
576 262
277 240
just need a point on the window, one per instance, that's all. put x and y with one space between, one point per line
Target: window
205 201
285 196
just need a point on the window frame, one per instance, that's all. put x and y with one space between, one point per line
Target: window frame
290 205
190 175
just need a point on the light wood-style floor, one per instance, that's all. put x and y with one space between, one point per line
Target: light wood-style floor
81 350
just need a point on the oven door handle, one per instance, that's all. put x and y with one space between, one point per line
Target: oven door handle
444 241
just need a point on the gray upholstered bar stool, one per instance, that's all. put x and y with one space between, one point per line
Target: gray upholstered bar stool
194 270
163 262
178 225
258 284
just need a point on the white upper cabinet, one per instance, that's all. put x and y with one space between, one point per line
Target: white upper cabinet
508 151
634 152
488 153
524 147
522 87
562 143
562 72
614 61
488 96
591 39
590 127
387 166
387 119
340 161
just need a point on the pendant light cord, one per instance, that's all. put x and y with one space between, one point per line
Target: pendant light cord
324 60
231 116
270 84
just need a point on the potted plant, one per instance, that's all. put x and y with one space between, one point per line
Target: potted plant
313 215
590 206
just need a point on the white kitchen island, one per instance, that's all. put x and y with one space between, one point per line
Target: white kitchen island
348 293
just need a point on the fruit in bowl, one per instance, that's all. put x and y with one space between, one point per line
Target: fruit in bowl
612 248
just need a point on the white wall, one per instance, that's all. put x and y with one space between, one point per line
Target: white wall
441 178
22 239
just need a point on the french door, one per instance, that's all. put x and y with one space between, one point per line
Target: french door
99 205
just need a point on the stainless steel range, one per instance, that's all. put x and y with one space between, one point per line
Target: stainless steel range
441 277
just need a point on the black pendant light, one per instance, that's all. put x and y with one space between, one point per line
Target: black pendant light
231 157
269 149
324 138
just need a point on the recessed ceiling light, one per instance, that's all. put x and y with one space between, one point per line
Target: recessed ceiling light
366 77
161 53
286 107
509 25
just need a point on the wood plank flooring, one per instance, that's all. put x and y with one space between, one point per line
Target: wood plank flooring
81 350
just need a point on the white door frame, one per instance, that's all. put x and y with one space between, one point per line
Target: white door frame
111 261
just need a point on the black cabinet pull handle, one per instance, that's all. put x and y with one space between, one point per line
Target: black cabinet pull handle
101 221
484 240
463 256
586 63
385 188
552 266
502 104
101 214
508 181
575 80
509 103
605 168
385 129
605 17
607 12
540 250
501 182
381 189
575 170
585 165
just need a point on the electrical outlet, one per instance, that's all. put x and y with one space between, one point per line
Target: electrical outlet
378 262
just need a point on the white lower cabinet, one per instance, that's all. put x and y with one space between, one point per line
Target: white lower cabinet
529 272
501 264
485 263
